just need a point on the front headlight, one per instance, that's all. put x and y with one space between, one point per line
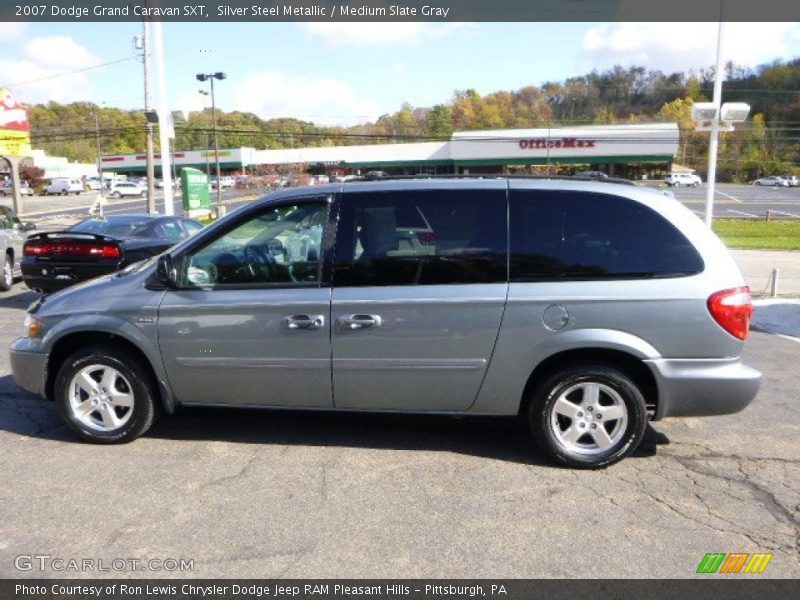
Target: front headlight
31 327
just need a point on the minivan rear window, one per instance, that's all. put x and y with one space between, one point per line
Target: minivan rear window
581 235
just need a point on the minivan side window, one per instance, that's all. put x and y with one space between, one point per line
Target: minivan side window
421 238
281 246
581 235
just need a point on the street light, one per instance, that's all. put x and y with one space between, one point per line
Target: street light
208 169
211 77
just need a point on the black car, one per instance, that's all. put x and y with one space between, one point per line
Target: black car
98 246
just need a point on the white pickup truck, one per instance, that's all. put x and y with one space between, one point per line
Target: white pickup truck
12 236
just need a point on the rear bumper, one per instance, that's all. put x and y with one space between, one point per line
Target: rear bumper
703 387
28 367
52 277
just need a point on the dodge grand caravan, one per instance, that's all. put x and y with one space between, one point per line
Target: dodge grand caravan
587 308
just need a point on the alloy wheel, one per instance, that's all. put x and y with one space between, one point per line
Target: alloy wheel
101 398
589 418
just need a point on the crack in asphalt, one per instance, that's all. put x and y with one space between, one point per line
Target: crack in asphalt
238 475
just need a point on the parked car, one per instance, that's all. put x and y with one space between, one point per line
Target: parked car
592 174
772 180
792 180
12 237
119 189
97 246
94 183
7 189
679 179
585 307
63 185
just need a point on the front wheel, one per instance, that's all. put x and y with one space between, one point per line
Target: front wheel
116 195
105 395
588 416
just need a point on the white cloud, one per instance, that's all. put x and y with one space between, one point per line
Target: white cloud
321 100
681 46
38 75
336 34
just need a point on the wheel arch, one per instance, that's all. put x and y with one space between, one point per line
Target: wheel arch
633 366
65 345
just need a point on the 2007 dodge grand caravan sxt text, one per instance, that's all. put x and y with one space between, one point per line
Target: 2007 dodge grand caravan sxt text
586 307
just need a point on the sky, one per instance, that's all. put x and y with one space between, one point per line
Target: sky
348 73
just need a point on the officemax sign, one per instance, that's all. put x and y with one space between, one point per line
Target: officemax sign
566 142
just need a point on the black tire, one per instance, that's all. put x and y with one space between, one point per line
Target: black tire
8 267
116 195
145 404
541 410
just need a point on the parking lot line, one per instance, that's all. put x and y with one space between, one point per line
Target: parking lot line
746 214
785 214
729 196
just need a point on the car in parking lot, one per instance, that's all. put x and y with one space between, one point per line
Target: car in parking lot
119 189
586 308
12 236
792 180
96 246
772 180
7 189
63 185
679 179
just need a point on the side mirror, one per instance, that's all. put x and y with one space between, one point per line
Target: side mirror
166 274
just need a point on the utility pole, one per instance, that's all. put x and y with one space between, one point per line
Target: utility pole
714 144
166 129
148 99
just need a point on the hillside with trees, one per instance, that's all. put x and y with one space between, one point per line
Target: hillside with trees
767 143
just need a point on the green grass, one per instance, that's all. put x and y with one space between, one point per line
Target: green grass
765 235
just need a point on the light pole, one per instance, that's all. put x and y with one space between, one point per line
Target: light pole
211 77
208 168
101 199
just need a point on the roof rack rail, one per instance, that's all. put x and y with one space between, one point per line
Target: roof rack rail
492 176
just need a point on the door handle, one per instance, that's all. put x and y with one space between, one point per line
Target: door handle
296 322
352 322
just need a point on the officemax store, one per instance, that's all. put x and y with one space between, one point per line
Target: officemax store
635 151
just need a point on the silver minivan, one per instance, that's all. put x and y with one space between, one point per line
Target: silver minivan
586 308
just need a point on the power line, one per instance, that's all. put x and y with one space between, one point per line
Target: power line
64 74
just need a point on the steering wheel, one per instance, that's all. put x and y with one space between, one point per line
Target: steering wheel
258 263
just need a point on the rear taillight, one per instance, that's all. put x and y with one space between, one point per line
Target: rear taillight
72 249
732 309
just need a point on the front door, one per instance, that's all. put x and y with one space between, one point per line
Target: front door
419 293
251 324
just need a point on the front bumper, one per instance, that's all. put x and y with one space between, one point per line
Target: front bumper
703 387
29 366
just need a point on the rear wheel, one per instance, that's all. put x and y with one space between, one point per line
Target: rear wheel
105 395
588 416
116 195
7 279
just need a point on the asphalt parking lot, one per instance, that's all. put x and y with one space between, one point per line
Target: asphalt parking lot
271 494
739 201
